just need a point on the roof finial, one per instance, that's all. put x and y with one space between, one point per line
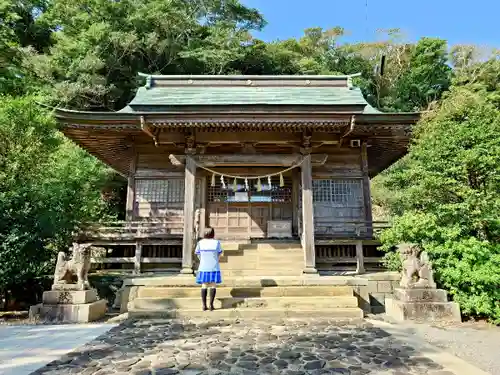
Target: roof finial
149 81
349 80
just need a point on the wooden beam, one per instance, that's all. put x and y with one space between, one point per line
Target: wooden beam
146 129
246 136
223 160
308 216
130 205
114 260
189 203
349 130
366 187
151 260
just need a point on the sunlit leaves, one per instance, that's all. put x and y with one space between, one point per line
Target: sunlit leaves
447 190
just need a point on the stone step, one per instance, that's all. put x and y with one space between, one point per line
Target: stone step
252 255
269 268
248 281
229 270
298 303
249 313
278 246
276 263
258 263
268 258
262 251
242 292
261 272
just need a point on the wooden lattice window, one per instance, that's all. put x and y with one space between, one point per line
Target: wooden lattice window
282 194
160 191
345 192
273 193
217 194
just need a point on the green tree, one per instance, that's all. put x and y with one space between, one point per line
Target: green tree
48 189
20 33
427 78
100 46
448 190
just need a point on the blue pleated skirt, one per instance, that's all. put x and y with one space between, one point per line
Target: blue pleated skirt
208 277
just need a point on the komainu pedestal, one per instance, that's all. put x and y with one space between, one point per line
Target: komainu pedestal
68 301
417 297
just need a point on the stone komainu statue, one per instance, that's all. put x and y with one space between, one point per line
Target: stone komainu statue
417 269
78 265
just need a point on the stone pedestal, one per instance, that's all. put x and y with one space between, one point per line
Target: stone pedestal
422 304
69 306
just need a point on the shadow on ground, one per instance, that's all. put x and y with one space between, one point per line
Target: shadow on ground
292 347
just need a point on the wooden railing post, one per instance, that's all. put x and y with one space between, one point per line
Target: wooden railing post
130 204
137 258
189 203
308 216
360 260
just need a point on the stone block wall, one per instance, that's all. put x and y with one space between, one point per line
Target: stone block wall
380 285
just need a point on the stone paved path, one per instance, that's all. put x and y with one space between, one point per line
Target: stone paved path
25 348
160 347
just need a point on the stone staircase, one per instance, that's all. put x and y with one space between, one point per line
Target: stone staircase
279 259
259 280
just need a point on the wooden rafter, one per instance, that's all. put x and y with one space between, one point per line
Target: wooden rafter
146 129
349 130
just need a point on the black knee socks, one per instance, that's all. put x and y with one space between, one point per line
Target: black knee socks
212 298
204 298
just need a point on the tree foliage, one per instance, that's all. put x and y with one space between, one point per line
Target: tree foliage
48 188
448 190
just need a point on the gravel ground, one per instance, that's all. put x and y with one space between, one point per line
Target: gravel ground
477 343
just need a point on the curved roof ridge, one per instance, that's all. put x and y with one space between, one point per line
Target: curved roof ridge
242 77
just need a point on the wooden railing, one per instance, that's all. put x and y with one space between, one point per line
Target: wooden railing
138 257
133 230
350 229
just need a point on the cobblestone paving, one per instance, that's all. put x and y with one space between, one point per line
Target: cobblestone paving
292 347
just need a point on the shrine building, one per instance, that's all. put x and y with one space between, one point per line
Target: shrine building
258 158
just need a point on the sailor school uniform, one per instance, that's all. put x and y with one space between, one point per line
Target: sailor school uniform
208 251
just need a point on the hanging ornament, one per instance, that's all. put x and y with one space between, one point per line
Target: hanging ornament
282 180
212 183
222 181
246 184
269 181
235 185
259 185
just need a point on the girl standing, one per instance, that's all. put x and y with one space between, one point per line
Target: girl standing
208 251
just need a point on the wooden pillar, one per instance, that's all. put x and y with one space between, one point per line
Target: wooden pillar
189 203
203 205
360 262
137 258
295 202
366 189
130 204
308 216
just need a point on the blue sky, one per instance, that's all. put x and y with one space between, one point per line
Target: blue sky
458 21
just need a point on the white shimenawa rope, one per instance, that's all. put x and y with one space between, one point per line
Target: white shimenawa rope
250 177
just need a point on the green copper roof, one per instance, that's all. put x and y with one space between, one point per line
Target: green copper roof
247 90
182 96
